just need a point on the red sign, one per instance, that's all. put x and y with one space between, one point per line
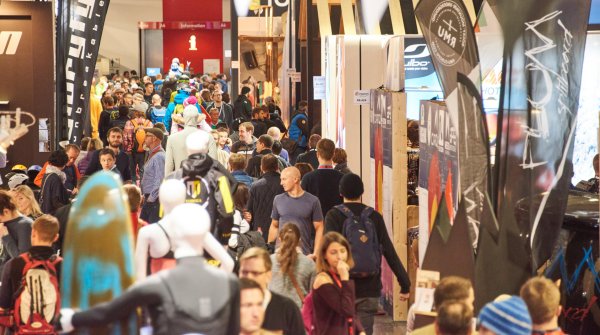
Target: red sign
182 25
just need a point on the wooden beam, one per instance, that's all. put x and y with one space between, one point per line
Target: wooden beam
397 19
415 2
324 18
348 17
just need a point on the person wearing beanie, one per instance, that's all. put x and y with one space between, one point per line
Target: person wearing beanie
506 317
135 150
242 107
154 173
368 289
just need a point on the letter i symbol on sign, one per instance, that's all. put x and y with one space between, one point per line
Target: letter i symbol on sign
193 43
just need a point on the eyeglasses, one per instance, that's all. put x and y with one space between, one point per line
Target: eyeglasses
245 273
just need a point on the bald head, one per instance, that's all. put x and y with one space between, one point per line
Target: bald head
290 179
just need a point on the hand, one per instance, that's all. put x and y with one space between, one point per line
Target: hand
312 256
247 216
343 270
3 230
75 191
404 296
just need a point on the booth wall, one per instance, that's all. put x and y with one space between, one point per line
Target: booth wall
120 38
28 81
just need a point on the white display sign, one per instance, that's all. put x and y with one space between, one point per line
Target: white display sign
362 97
319 88
212 66
227 53
296 77
235 64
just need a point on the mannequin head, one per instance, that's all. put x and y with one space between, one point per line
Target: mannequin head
187 237
197 142
171 193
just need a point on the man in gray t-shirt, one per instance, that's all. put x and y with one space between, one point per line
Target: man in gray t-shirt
300 208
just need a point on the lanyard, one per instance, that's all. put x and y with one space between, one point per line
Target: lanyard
339 284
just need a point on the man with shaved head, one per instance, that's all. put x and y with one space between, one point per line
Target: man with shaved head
300 208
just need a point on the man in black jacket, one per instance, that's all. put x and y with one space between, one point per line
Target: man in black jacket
115 140
264 147
225 110
54 193
310 156
368 289
242 108
262 193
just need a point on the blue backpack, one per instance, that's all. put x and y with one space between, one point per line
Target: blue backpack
157 114
364 244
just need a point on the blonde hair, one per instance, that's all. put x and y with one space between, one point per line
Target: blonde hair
326 241
25 191
542 298
260 253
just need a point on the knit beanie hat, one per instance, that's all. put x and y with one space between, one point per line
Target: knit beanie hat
351 186
507 317
245 90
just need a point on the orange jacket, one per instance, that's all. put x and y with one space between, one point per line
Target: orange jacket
40 176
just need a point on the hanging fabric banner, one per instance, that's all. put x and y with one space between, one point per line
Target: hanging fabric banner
79 30
541 76
451 40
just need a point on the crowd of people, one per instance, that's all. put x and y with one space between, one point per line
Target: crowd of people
282 201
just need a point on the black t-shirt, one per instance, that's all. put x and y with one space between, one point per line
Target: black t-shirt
371 286
325 185
282 314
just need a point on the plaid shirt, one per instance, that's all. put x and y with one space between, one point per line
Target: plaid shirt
129 133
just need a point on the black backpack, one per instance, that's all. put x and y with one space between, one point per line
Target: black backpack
248 240
364 244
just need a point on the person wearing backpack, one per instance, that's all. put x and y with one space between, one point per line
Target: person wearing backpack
349 219
241 237
28 305
156 112
134 136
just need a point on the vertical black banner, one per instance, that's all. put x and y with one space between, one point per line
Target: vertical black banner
79 29
450 37
541 77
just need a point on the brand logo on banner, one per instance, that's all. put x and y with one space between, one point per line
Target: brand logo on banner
9 42
84 30
449 23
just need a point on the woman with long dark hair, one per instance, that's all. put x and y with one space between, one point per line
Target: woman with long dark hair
293 272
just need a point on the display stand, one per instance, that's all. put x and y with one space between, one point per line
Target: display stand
388 156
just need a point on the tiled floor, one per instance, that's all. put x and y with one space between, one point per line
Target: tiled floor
385 326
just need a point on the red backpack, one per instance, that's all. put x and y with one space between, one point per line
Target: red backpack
38 297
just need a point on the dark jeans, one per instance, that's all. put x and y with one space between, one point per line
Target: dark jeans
150 211
136 159
366 308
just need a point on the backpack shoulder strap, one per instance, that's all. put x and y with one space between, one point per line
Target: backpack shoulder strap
366 213
345 210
